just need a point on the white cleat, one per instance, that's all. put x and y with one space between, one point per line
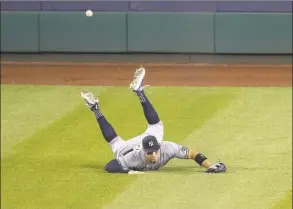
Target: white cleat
136 84
90 99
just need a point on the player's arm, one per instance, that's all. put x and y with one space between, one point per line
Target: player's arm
199 158
183 152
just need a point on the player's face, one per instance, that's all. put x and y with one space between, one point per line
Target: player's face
153 156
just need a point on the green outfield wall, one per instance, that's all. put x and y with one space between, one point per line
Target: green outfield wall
253 33
166 32
20 31
170 32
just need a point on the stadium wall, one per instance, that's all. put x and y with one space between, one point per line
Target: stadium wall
147 26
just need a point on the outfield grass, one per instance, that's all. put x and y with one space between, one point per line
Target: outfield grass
26 109
55 154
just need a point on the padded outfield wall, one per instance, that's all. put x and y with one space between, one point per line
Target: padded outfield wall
245 27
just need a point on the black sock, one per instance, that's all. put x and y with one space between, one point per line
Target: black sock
106 128
149 112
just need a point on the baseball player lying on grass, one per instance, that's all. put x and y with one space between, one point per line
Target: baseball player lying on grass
147 151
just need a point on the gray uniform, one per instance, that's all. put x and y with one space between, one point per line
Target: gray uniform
135 159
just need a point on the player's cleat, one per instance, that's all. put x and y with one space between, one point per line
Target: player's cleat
217 168
136 84
90 99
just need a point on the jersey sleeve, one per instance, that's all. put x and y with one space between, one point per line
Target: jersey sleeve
177 150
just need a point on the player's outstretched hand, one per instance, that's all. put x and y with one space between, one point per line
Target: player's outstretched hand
219 167
135 172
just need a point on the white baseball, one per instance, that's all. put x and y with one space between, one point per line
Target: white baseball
89 13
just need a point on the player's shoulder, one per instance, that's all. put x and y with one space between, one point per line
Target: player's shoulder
167 144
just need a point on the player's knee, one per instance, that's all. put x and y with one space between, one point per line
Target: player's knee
160 127
159 133
154 129
160 124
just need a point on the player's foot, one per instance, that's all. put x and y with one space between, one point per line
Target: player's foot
90 99
219 167
136 84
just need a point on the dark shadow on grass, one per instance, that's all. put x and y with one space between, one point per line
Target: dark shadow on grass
194 169
97 167
181 169
188 169
242 169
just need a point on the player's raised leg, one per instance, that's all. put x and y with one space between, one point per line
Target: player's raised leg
137 87
155 126
107 130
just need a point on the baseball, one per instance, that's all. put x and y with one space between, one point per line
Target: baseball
89 13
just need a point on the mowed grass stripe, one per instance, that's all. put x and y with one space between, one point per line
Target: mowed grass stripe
257 131
62 166
253 136
178 107
28 108
285 202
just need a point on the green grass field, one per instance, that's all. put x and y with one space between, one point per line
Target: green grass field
53 153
